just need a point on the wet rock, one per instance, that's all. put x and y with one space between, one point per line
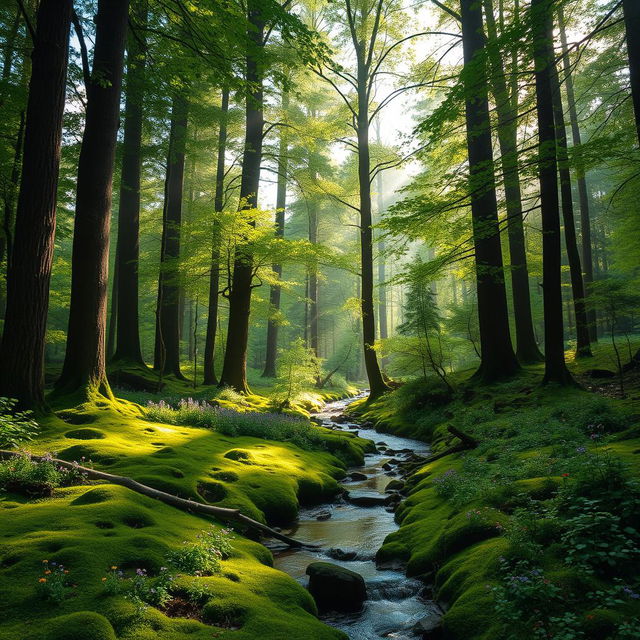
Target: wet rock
357 475
335 588
429 627
341 419
395 485
381 444
361 499
382 449
323 515
343 556
387 467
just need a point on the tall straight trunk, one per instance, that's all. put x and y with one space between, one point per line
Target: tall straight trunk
128 252
275 291
583 191
234 370
23 340
583 346
631 10
113 316
497 358
383 329
313 281
555 366
84 364
377 385
507 111
169 317
214 275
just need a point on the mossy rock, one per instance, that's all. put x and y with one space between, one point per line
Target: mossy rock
82 625
335 588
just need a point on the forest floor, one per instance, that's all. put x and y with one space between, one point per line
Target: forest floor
535 532
472 522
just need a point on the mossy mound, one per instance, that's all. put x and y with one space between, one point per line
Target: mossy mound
69 529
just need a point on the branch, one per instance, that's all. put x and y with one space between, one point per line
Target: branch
32 31
451 12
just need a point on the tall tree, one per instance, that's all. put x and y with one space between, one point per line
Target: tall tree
583 346
275 290
632 25
544 60
168 315
23 340
506 99
234 371
214 276
128 251
497 358
581 178
84 364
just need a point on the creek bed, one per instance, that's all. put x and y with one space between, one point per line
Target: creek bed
395 603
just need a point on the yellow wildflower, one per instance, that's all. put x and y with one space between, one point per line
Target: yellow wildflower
41 580
47 572
104 579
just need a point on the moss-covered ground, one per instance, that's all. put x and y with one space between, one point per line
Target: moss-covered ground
90 527
533 534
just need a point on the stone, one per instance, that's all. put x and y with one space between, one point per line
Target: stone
357 475
395 485
599 373
343 556
335 588
429 627
361 499
323 515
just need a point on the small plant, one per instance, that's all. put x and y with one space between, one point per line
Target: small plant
140 589
298 367
54 583
16 427
202 558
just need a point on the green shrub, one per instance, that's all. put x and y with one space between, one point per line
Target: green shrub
16 427
27 477
202 558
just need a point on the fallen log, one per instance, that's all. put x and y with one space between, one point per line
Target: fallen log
223 513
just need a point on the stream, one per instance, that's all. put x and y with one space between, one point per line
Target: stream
395 603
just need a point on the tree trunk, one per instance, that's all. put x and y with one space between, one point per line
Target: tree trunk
377 385
23 343
113 316
128 253
383 330
275 292
632 25
313 280
583 191
234 370
168 326
583 347
214 276
497 358
84 365
507 112
555 367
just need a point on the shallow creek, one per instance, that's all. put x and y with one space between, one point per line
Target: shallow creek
395 604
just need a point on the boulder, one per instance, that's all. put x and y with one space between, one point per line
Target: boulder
335 588
395 485
362 499
343 556
357 475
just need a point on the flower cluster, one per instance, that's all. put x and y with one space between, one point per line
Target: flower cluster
54 582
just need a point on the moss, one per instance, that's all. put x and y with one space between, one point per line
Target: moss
83 625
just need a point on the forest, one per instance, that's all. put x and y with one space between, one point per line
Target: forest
320 319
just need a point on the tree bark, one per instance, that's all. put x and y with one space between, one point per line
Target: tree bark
168 325
527 350
275 291
128 252
497 358
84 365
214 276
631 10
313 281
383 329
555 366
234 370
23 342
583 191
377 385
583 346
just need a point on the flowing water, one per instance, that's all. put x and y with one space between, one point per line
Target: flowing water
395 603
